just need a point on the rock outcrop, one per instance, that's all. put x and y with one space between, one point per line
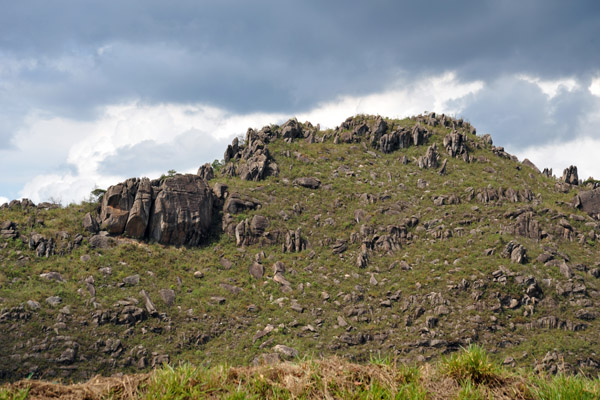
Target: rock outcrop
455 144
430 159
254 160
589 201
570 175
177 210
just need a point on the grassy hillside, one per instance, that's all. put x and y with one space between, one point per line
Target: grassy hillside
433 276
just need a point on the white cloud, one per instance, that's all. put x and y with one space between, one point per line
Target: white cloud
3 200
401 101
559 156
594 87
84 145
551 88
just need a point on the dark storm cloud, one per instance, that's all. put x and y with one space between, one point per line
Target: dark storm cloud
275 56
187 151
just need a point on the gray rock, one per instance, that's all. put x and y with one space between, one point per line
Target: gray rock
231 288
90 224
206 172
139 215
531 165
182 211
258 225
430 159
256 270
52 276
285 351
34 305
176 210
132 280
167 296
237 203
307 182
54 300
570 175
217 300
589 202
150 308
100 242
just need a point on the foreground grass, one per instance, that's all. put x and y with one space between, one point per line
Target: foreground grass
469 374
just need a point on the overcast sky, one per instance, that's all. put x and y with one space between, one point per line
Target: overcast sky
93 92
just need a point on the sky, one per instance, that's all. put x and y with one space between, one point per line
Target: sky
94 92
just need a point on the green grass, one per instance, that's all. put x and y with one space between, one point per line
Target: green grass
563 387
7 394
437 269
472 365
326 378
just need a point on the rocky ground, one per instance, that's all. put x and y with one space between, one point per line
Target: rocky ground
409 238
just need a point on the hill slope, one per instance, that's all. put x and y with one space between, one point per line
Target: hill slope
408 238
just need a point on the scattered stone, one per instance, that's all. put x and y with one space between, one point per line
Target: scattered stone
54 300
33 305
217 300
307 182
90 224
296 306
339 246
150 308
285 351
100 242
256 270
231 288
198 274
516 252
167 296
52 276
132 280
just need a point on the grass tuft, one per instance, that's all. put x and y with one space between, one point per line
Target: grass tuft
473 365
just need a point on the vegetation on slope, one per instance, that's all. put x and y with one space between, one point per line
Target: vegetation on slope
446 284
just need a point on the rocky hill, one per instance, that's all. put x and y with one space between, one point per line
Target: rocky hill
403 238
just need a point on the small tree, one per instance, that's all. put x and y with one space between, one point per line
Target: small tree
96 194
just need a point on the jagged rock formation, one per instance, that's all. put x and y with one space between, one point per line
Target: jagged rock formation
570 175
177 210
430 159
456 146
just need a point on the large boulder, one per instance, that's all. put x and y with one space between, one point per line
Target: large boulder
116 203
182 211
139 215
177 210
589 201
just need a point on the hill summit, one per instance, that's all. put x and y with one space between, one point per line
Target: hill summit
409 238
